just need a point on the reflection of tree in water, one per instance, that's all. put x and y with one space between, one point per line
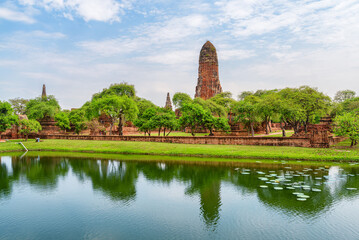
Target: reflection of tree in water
5 185
116 179
159 172
43 172
205 180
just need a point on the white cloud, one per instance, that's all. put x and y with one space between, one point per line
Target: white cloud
149 38
172 57
96 10
16 16
227 54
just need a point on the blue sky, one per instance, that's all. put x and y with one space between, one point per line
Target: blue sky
79 47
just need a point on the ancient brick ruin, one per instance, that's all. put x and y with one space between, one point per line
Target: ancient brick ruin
208 84
43 95
168 102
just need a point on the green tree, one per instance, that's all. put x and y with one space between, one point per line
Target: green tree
223 99
165 119
343 95
7 116
267 107
77 119
305 104
350 105
143 105
244 94
194 116
62 120
119 108
211 106
179 99
144 123
40 108
247 111
347 124
29 126
19 105
121 89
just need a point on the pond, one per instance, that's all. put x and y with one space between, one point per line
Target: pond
60 197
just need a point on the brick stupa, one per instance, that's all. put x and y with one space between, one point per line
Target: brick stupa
208 79
43 95
168 102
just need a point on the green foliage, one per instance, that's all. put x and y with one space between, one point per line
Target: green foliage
144 123
343 95
211 106
29 126
19 105
181 98
302 105
157 118
165 119
77 119
62 120
116 107
7 116
247 111
244 94
351 105
40 108
223 99
143 105
267 108
348 125
122 89
194 116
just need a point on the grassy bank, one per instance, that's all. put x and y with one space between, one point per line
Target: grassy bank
340 153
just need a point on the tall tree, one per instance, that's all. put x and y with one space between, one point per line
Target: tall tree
120 89
267 107
343 95
7 116
144 122
19 105
29 126
223 99
42 107
347 124
194 116
62 120
309 101
77 119
119 108
247 111
211 106
179 99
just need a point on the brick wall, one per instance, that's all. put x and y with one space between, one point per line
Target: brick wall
260 141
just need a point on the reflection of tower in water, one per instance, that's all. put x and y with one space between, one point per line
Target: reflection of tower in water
211 203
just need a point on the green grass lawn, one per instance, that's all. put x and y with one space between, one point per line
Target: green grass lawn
339 153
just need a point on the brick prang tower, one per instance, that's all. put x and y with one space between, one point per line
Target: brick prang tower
43 95
208 84
168 102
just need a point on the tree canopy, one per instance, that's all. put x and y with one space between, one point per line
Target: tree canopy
28 126
42 107
7 116
19 105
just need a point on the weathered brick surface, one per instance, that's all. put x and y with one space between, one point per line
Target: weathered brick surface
208 83
260 141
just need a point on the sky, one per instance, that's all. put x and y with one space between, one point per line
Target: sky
79 47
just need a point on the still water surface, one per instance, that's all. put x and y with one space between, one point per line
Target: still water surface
80 198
